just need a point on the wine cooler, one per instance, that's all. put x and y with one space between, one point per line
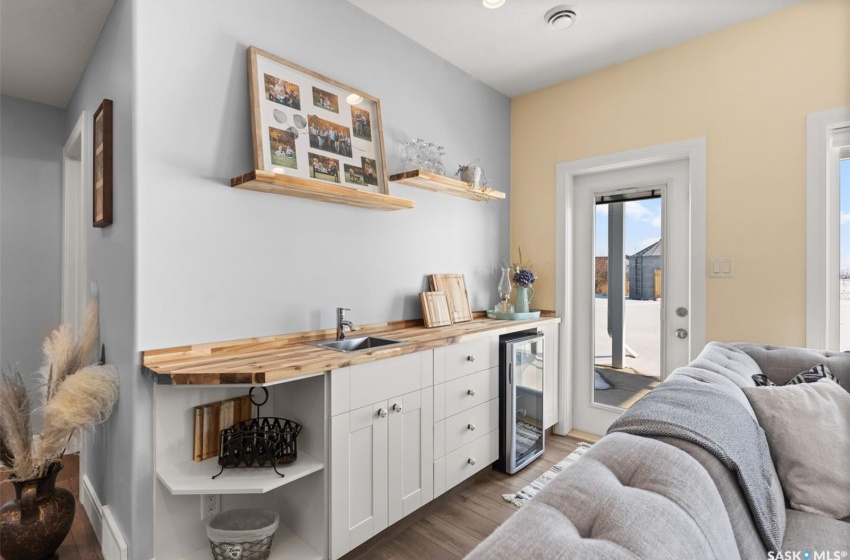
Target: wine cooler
521 389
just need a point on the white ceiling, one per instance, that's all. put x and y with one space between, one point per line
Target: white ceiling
45 45
513 50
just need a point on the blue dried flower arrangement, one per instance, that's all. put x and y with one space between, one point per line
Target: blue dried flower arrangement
523 275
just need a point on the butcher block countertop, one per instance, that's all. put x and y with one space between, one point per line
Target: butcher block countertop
275 359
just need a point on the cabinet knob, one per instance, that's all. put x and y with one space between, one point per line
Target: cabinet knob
470 427
471 392
382 412
471 461
470 358
397 407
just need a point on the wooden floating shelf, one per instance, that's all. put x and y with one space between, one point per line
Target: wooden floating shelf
285 546
189 478
437 183
278 183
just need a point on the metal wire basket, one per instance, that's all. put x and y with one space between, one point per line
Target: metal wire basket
259 442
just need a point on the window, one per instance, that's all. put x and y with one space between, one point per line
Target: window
828 230
844 250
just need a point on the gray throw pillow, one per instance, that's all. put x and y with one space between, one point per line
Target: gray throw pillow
808 431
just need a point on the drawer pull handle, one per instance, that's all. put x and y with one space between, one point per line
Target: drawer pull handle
471 392
397 407
382 412
470 358
471 461
470 427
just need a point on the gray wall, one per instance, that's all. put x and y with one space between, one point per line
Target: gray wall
31 139
118 460
191 260
217 263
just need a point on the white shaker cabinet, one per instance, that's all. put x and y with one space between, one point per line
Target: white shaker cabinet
382 453
411 444
550 374
360 447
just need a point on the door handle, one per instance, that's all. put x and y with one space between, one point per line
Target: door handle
681 333
471 392
470 427
397 407
470 358
471 461
382 412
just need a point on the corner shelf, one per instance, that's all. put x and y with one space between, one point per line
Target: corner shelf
285 546
188 477
277 183
437 183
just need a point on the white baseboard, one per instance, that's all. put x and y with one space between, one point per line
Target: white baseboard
112 543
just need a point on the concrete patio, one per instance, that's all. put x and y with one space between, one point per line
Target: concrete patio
643 335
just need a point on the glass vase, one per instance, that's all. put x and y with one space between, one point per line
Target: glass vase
504 288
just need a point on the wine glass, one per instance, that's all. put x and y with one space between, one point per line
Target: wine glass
429 153
411 153
439 168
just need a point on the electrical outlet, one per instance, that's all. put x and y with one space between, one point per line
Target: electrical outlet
210 505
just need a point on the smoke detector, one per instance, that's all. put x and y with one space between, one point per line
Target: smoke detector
560 17
493 4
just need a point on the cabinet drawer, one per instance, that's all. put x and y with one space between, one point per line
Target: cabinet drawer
384 379
465 427
472 390
468 357
471 458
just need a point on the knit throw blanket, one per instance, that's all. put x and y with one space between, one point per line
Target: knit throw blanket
704 415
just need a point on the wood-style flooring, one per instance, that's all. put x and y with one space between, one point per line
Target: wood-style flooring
452 525
448 528
81 543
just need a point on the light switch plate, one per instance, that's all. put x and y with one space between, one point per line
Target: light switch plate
722 267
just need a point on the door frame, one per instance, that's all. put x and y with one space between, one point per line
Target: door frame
822 228
74 241
694 151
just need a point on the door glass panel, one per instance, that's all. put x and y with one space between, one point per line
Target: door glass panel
844 249
528 379
628 285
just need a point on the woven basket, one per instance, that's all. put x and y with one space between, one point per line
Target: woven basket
242 534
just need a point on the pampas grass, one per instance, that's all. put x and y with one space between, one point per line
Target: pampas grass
82 401
76 396
63 355
15 428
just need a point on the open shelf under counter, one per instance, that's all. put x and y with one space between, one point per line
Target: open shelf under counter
437 183
279 183
286 546
188 477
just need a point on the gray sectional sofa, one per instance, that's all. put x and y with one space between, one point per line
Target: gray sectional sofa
666 498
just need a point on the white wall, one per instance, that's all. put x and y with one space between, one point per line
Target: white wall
217 263
118 461
31 139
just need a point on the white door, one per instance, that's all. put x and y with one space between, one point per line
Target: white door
669 182
411 452
359 476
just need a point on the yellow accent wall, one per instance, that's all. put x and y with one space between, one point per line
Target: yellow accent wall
747 89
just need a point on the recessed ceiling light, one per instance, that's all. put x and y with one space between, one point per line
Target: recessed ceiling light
353 99
493 4
560 17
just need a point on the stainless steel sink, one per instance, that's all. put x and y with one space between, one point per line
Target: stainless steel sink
358 344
